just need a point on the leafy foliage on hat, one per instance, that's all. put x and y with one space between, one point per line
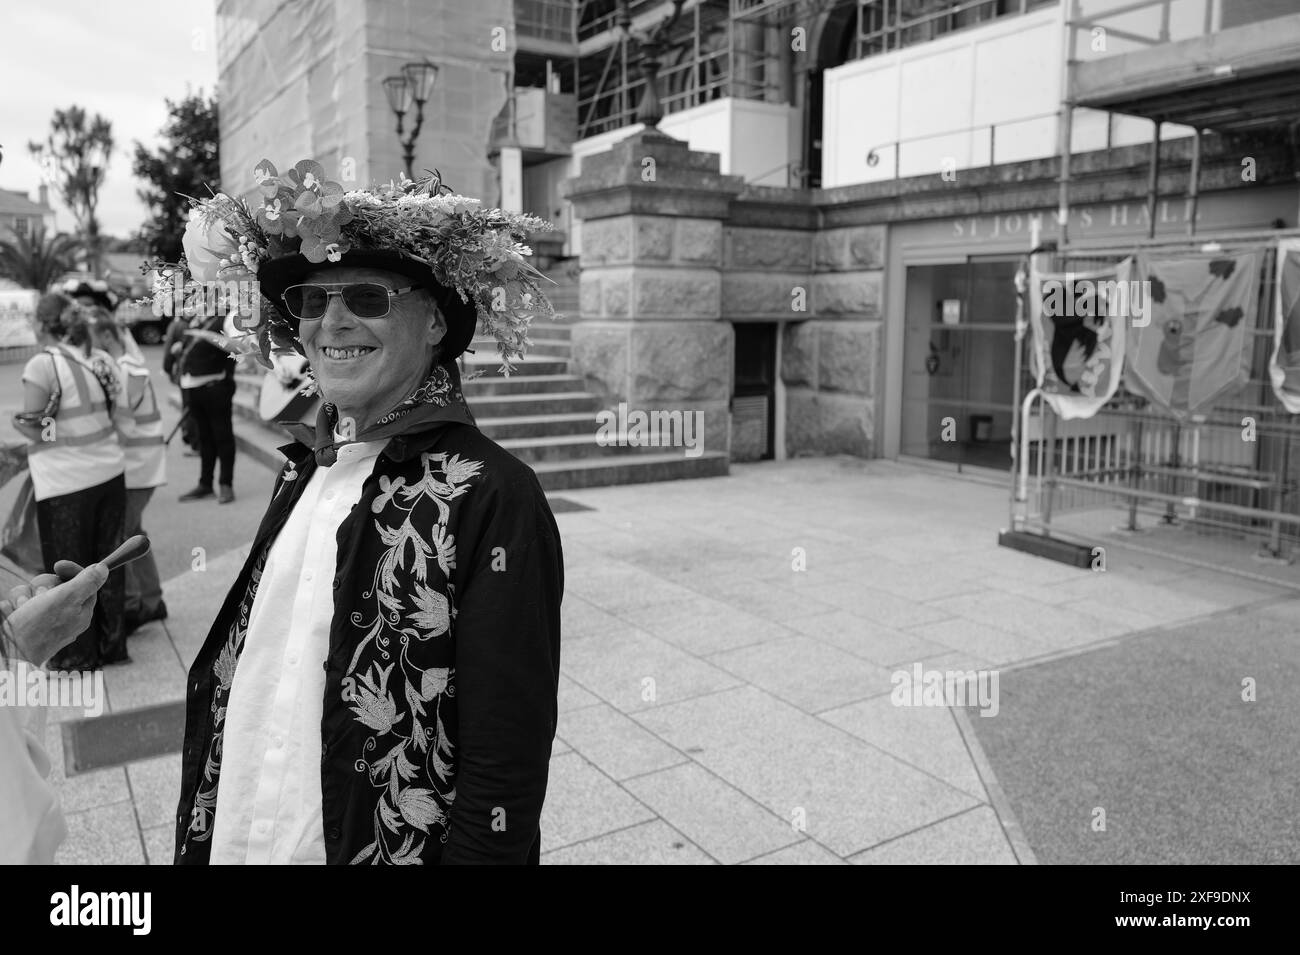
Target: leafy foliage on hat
479 253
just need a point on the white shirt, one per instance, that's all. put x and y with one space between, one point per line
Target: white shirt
269 795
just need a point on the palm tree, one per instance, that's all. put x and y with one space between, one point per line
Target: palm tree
35 260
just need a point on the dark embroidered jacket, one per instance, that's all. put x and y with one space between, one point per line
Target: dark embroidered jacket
443 665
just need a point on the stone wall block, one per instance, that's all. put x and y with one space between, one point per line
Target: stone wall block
761 294
606 241
799 354
674 293
681 361
654 239
847 293
601 354
785 250
847 356
699 242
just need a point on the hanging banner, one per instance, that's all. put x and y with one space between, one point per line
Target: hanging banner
1196 347
1284 365
1078 323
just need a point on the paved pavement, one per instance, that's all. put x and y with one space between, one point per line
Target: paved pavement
728 649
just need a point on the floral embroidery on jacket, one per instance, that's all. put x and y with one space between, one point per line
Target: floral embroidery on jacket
223 671
392 684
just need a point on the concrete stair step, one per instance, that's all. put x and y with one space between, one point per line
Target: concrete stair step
488 361
538 426
574 447
512 406
519 384
628 469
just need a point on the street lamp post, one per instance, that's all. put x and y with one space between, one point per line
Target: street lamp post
412 85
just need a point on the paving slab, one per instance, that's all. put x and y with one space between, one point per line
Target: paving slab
868 639
571 696
704 625
806 852
105 835
805 672
156 789
851 795
972 838
924 736
582 803
651 843
636 671
160 845
615 744
721 820
989 643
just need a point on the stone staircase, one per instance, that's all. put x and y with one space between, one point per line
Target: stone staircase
542 414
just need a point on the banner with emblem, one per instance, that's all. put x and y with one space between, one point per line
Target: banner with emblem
1078 324
1196 345
1284 364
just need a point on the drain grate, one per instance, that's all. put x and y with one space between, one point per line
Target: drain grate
120 738
562 505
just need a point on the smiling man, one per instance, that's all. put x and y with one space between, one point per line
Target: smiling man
380 685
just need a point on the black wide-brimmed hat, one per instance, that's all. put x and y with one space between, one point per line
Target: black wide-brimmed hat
278 274
98 291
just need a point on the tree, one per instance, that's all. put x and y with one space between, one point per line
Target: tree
186 165
75 156
35 260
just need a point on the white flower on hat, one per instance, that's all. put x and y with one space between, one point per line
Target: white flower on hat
208 246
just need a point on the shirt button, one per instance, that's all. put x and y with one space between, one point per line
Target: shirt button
329 495
306 575
293 660
333 833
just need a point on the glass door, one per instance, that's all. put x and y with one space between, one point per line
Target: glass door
959 361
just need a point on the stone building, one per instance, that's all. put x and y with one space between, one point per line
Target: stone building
815 246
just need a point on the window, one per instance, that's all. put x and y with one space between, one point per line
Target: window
20 226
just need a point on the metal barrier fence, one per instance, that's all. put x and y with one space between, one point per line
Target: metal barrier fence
1234 470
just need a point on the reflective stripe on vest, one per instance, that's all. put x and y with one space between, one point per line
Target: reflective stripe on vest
77 425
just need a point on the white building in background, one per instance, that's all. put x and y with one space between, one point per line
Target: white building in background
20 215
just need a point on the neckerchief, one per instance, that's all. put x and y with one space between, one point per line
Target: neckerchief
437 398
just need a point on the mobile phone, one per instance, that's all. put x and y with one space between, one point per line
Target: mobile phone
133 548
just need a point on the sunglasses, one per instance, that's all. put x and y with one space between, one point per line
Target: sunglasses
308 303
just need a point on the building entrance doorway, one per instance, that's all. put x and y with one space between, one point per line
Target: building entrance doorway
959 362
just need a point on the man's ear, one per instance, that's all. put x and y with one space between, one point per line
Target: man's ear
437 326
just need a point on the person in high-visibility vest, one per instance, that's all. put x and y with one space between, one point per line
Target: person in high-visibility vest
72 409
146 469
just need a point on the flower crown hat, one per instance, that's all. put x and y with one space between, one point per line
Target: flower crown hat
96 289
471 259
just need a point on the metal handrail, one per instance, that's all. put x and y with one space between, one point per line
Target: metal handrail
873 154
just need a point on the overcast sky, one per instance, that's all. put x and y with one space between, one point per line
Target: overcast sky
119 58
